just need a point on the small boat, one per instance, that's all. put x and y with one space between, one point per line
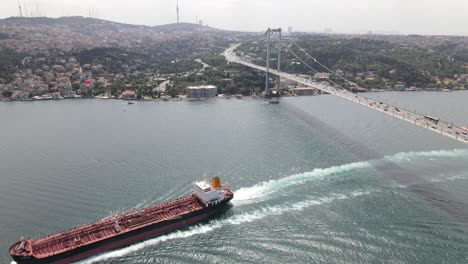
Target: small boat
130 103
274 100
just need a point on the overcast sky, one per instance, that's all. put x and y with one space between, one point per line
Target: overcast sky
448 17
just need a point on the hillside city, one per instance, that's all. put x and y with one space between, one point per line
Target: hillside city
264 132
72 57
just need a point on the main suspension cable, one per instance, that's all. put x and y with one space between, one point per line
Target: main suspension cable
319 63
310 67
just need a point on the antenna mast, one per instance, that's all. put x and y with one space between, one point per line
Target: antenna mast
21 12
177 9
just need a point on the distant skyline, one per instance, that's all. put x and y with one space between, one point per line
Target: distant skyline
430 17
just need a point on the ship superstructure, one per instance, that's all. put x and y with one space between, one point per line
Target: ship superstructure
121 230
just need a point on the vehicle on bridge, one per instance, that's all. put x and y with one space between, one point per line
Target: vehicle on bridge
432 119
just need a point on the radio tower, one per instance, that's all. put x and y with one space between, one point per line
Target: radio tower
177 9
21 13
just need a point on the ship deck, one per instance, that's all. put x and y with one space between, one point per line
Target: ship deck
112 226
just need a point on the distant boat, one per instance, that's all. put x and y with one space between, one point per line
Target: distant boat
130 103
274 100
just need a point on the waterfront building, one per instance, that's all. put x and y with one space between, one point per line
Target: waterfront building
204 91
128 94
287 83
304 91
56 95
69 94
399 87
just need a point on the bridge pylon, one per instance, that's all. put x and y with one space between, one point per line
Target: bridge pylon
273 35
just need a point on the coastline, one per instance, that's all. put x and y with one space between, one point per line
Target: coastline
184 98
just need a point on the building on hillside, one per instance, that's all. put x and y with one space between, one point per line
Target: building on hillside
204 91
464 77
322 76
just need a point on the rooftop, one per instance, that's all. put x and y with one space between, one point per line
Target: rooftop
202 87
128 92
203 185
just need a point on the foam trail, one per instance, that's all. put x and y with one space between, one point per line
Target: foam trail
410 156
450 179
289 207
265 189
262 191
234 220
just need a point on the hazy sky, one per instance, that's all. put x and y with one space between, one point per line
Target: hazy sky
448 17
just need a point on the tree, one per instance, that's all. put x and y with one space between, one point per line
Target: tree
450 85
75 86
140 93
88 92
7 93
98 85
171 90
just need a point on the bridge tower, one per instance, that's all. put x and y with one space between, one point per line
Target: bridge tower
273 35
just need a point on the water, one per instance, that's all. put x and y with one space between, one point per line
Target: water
316 179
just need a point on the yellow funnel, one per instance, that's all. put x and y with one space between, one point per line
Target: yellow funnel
215 182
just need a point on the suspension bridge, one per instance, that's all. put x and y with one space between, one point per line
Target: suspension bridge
431 123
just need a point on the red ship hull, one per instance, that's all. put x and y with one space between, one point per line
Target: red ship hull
127 238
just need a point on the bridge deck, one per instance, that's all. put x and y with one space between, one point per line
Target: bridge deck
440 127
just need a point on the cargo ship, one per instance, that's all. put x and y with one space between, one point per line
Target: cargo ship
207 199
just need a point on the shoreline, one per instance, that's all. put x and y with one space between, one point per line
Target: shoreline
199 99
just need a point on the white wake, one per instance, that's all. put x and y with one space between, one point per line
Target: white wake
242 218
410 156
264 190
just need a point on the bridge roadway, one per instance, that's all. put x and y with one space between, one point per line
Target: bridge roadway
440 127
